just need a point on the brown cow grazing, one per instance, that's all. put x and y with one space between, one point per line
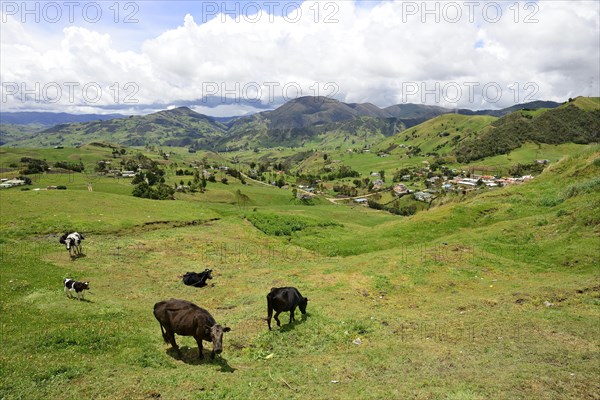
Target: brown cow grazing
285 299
187 319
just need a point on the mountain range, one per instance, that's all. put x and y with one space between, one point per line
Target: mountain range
305 121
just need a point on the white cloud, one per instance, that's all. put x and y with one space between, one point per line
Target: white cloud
371 55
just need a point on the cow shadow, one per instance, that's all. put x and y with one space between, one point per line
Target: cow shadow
82 300
286 327
189 355
77 256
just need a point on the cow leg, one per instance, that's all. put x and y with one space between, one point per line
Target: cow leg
200 355
270 315
277 319
171 337
292 316
67 292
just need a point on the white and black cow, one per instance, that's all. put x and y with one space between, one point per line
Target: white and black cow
72 242
76 287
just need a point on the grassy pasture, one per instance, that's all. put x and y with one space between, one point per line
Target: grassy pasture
447 304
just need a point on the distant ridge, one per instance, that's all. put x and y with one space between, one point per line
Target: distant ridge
51 118
302 121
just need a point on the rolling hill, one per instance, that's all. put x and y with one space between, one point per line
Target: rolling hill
176 127
475 137
51 118
305 121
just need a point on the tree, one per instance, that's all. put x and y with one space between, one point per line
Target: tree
241 199
382 175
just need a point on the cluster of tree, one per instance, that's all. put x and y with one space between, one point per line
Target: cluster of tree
26 179
158 191
394 208
71 166
116 152
343 172
307 179
34 166
345 190
101 166
236 174
149 182
181 172
140 161
363 183
525 169
555 126
164 155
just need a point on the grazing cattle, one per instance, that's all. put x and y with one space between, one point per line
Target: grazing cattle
197 280
72 242
187 319
285 299
75 286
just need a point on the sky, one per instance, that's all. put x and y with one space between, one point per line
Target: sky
225 58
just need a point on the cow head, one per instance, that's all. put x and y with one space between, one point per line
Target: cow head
63 239
302 305
208 273
216 334
86 285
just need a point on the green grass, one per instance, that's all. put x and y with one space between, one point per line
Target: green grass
448 304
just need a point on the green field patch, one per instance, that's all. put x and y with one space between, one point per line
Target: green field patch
285 225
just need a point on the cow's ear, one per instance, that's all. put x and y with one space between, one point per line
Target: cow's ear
207 331
226 329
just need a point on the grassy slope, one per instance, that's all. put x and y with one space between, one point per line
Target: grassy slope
464 320
169 127
427 135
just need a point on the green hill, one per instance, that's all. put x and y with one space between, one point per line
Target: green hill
576 122
438 135
177 127
506 279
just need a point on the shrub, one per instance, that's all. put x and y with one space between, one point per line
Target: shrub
284 225
550 202
589 186
75 167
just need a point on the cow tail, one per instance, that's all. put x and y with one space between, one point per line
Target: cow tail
164 335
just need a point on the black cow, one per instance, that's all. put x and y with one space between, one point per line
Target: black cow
197 280
187 319
285 299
